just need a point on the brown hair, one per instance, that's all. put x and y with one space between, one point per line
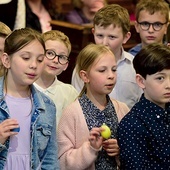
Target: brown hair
152 6
19 38
113 14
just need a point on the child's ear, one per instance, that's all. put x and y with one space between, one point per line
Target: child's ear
137 26
5 60
92 30
84 76
65 67
140 81
126 37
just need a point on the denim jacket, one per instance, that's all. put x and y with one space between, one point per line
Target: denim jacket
44 151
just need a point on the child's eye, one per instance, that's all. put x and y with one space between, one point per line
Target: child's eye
99 35
114 69
112 37
25 56
160 78
41 59
101 71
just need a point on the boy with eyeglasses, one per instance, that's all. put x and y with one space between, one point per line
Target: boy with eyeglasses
58 48
151 23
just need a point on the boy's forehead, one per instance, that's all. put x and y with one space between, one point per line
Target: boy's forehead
106 27
57 45
145 15
54 43
162 72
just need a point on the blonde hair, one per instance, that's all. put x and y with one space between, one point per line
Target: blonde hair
113 14
153 6
87 56
4 30
57 36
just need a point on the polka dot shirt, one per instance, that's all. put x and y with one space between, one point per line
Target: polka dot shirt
144 137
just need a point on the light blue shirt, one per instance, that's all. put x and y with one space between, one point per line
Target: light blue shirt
135 49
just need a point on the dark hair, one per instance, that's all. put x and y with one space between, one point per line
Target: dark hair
20 38
151 59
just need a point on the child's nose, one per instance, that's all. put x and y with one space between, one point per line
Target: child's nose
56 59
151 29
111 74
33 64
168 83
105 41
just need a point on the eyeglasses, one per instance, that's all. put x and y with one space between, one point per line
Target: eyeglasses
155 25
62 59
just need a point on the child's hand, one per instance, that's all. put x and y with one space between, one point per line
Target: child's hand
111 147
6 129
95 138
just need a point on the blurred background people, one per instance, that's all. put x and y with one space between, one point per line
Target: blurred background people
39 13
84 10
35 14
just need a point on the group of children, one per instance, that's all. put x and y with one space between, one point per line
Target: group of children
129 94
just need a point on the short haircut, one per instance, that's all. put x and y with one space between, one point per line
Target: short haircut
153 6
151 59
113 14
56 35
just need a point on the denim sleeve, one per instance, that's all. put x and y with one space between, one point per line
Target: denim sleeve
50 161
2 147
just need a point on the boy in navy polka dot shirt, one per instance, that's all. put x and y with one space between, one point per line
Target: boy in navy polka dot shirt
144 133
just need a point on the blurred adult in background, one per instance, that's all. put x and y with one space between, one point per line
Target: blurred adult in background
40 12
35 14
84 10
12 13
132 10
